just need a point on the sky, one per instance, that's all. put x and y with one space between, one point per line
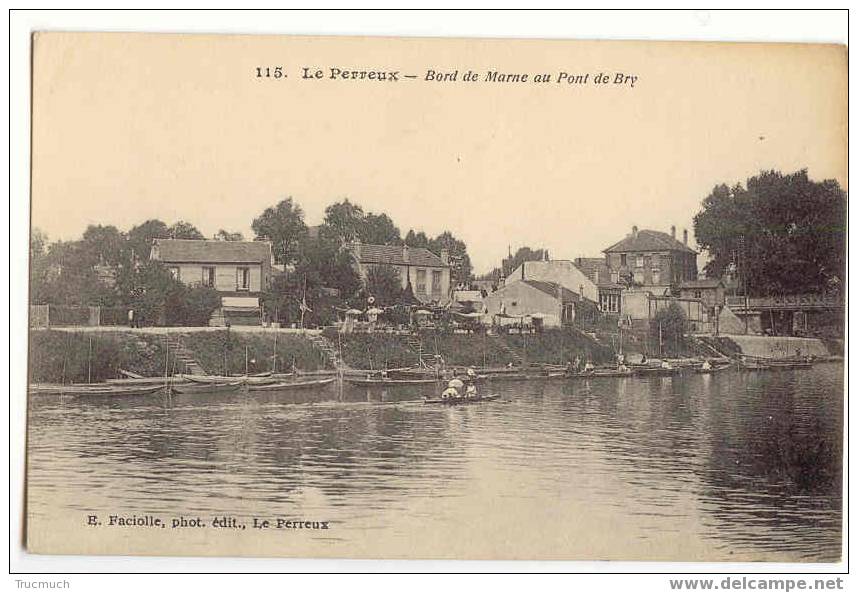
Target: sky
128 127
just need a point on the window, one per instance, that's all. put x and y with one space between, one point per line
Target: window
421 281
209 276
698 294
242 278
639 261
175 272
656 277
609 302
639 276
436 282
623 261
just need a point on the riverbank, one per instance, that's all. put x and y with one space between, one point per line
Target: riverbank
80 356
69 355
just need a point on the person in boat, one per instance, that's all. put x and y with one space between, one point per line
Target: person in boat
458 387
471 391
706 366
449 393
588 367
665 365
643 358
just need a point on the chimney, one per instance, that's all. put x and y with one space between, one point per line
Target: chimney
635 231
673 231
445 256
685 236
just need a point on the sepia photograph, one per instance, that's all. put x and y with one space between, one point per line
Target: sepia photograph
436 298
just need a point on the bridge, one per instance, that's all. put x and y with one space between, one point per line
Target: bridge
795 302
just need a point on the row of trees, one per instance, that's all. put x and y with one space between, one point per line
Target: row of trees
321 270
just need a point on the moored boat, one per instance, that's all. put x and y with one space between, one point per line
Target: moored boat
208 387
86 389
457 401
291 385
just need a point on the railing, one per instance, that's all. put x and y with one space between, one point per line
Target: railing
797 301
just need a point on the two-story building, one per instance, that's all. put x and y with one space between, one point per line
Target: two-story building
239 270
652 260
428 273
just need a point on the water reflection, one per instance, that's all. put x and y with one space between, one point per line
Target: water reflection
722 467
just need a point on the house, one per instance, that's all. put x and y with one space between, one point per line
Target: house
556 271
239 270
709 290
610 292
523 301
653 260
428 273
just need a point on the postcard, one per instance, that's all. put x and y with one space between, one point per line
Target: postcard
436 298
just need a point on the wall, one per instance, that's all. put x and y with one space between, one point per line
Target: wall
520 299
225 278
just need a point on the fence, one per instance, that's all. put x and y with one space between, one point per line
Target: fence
42 316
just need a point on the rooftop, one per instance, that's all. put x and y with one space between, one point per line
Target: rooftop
648 240
209 251
396 254
550 288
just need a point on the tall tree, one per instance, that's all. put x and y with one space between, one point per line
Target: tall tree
343 221
378 229
185 230
785 233
417 239
284 226
460 261
104 244
140 237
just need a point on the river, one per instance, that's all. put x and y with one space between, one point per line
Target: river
735 466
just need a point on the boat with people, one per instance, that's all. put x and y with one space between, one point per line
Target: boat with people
462 400
265 379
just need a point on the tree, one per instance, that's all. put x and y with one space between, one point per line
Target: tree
223 235
417 239
284 226
460 262
667 330
141 236
185 230
105 245
383 283
378 229
785 233
344 221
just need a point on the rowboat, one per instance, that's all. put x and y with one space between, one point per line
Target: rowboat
656 371
219 379
96 389
208 387
289 385
388 382
455 401
711 370
602 373
779 365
